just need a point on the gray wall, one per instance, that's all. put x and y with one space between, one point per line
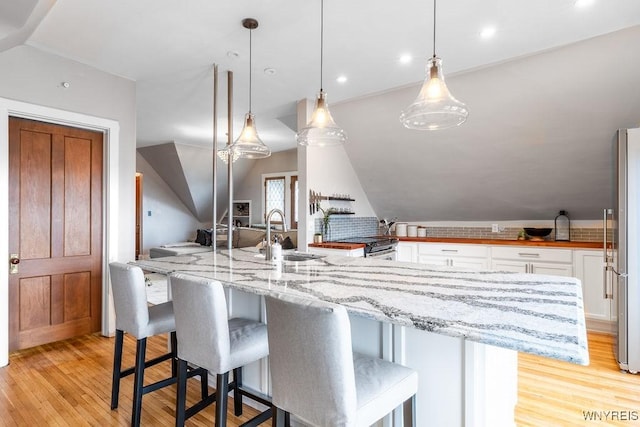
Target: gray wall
30 75
170 221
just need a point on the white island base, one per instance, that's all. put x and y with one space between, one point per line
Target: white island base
461 383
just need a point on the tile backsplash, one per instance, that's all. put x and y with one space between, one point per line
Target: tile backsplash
346 226
509 233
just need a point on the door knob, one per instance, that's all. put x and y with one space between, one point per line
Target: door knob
14 260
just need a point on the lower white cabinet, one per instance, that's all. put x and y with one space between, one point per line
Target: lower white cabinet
521 259
407 252
454 255
599 311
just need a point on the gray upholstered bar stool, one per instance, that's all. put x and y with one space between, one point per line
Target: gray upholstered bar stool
316 376
134 316
208 339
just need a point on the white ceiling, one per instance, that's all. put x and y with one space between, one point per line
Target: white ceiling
168 48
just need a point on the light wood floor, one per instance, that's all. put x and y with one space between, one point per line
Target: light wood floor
554 393
69 384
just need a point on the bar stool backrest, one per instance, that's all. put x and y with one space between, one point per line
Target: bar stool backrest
129 299
202 324
311 360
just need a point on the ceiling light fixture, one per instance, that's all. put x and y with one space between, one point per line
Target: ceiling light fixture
321 130
341 79
488 32
406 58
249 145
583 3
223 154
434 108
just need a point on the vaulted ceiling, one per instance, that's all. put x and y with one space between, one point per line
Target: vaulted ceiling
545 93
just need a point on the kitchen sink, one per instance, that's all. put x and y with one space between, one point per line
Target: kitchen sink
300 256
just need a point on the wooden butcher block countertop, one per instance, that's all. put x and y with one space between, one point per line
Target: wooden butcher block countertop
337 245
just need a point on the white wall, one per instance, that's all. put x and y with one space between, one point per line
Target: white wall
95 98
170 220
325 170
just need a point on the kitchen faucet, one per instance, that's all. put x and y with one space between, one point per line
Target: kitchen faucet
387 225
267 249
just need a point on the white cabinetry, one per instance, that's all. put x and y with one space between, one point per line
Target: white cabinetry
407 252
453 255
599 311
528 259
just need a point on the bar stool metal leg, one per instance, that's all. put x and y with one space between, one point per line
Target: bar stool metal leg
222 389
237 392
117 366
138 381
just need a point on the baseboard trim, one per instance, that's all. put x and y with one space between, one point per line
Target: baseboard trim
602 326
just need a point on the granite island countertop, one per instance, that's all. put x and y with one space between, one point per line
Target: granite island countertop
531 313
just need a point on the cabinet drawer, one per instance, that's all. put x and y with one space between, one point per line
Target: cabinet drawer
532 254
453 250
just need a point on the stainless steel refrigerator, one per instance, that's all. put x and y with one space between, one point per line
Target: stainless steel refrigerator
622 249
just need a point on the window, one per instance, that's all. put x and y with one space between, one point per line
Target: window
274 195
281 192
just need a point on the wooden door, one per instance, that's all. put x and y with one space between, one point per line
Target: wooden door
55 229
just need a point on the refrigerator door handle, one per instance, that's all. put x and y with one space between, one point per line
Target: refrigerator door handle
608 270
605 257
605 264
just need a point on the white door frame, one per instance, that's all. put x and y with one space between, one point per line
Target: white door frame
111 131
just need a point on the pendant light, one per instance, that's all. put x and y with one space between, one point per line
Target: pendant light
249 145
434 108
223 154
321 130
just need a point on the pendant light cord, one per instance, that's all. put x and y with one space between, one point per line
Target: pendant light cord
434 28
250 66
321 40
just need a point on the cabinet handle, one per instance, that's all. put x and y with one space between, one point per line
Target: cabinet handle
529 254
449 250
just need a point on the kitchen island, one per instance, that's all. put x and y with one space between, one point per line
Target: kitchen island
460 329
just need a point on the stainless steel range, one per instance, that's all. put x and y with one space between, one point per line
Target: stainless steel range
380 247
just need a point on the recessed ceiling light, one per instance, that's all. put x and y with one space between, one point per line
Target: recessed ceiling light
488 32
583 3
406 58
341 79
269 71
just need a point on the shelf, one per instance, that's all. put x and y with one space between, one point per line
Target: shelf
343 213
340 198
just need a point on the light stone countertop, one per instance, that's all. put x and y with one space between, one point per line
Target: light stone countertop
537 314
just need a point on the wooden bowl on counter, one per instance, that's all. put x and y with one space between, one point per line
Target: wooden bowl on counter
537 234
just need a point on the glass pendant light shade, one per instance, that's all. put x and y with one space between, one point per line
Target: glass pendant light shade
434 108
249 145
321 131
